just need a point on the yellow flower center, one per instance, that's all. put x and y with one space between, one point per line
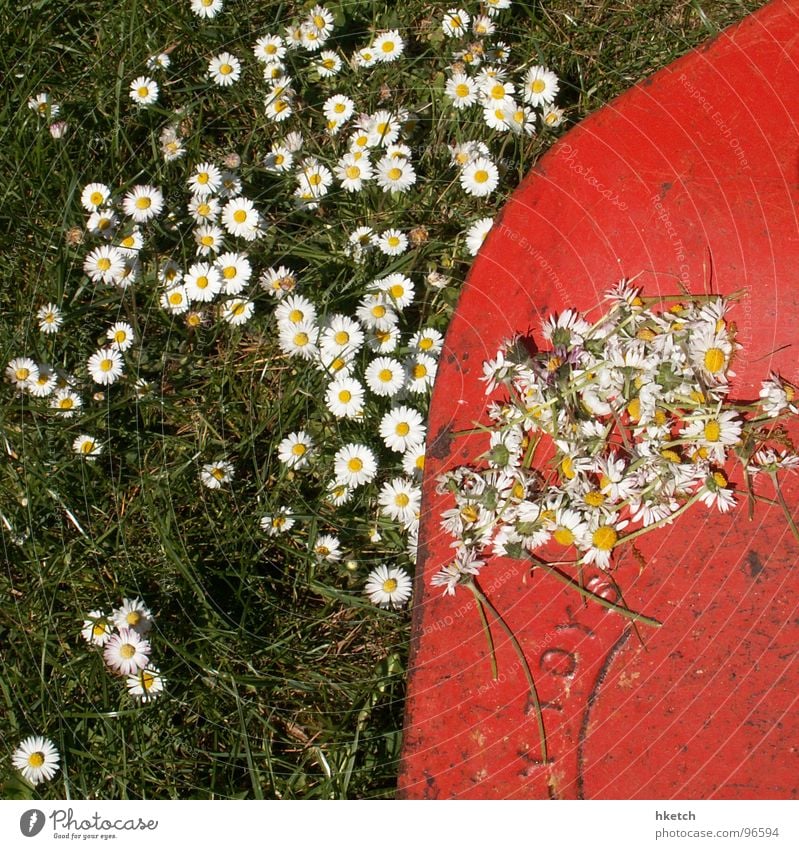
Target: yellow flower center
389 585
296 316
87 447
419 462
378 311
604 538
385 375
567 467
120 336
106 365
224 68
353 172
22 373
480 176
462 90
419 371
104 263
345 396
671 456
537 86
397 290
719 478
401 499
98 629
65 404
355 464
714 360
238 308
388 46
634 409
142 91
207 241
239 216
176 299
203 177
96 198
143 203
103 223
147 680
712 431
133 618
217 473
394 173
301 339
35 759
498 91
342 337
470 513
564 536
298 449
126 651
594 498
202 282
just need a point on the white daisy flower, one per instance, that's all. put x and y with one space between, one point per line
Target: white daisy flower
44 106
240 218
96 628
494 7
224 69
126 652
327 547
237 311
202 282
359 242
338 108
392 242
344 398
413 461
399 500
497 114
94 196
170 273
365 58
402 428
146 684
295 309
104 264
44 384
715 493
103 222
105 366
231 185
421 370
480 177
388 586
428 340
279 159
299 340
280 522
142 203
87 446
338 493
354 464
171 144
456 22
206 179
383 129
215 475
383 341
552 116
37 759
134 615
66 401
50 318
388 46
540 86
352 171
278 281
235 270
398 288
599 541
269 48
158 61
131 244
385 376
342 335
295 450
144 91
206 8
462 90
175 299
376 311
315 179
476 234
328 64
278 108
120 335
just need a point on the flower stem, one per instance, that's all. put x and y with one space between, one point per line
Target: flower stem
539 716
784 505
486 630
569 582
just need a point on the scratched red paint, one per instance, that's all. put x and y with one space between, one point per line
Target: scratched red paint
698 164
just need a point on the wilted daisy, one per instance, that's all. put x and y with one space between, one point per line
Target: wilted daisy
354 465
144 91
94 196
126 652
402 428
105 264
224 69
96 628
37 759
143 203
295 450
134 615
50 318
105 366
171 144
206 8
388 586
87 446
146 684
214 475
480 177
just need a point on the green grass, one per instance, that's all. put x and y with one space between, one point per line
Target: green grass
283 681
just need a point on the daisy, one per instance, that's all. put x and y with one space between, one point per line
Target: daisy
342 335
496 115
278 281
315 178
359 242
126 652
240 218
600 540
399 500
237 311
521 120
383 129
383 341
402 428
103 222
494 7
344 398
231 185
482 26
476 234
365 58
50 318
710 353
540 86
204 209
278 523
205 180
462 90
144 91
413 461
715 493
214 475
37 759
120 335
552 117
44 384
158 61
295 450
66 401
428 340
338 494
328 64
495 91
202 282
169 273
354 465
398 288
327 547
105 366
456 22
94 196
134 615
269 48
146 684
295 309
480 177
86 446
338 108
104 264
421 373
206 8
352 171
392 242
299 340
224 69
279 159
143 203
175 300
777 396
131 244
43 106
388 586
385 376
171 144
97 628
388 46
278 108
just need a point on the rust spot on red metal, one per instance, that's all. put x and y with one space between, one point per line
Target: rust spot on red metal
697 165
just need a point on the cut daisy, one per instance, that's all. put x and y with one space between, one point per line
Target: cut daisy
126 652
37 759
388 586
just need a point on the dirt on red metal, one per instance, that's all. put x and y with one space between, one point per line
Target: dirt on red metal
690 180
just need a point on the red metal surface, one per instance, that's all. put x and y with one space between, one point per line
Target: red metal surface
697 164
